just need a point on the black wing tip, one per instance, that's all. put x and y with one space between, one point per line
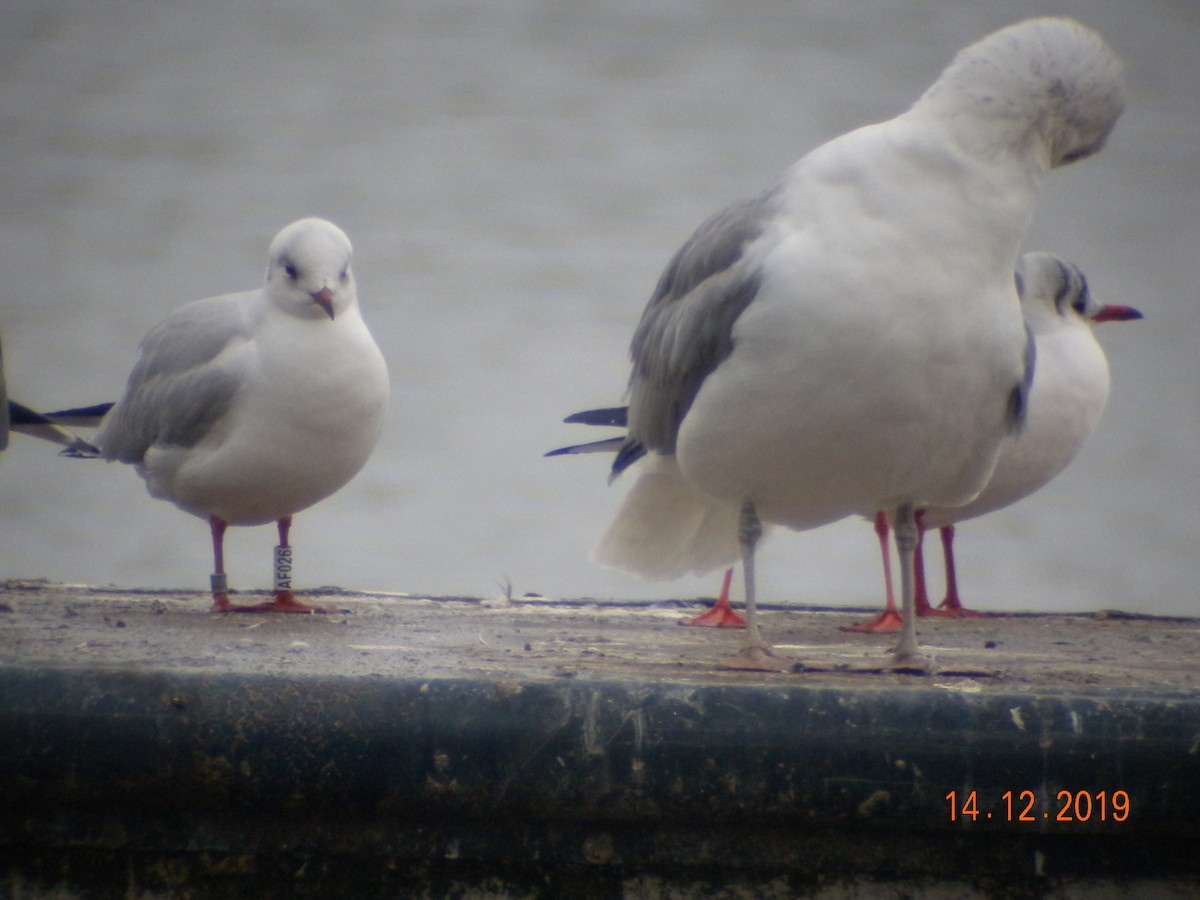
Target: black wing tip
1018 398
626 457
81 450
97 411
615 416
20 414
608 444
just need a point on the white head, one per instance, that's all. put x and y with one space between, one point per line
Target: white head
308 269
1055 293
1048 84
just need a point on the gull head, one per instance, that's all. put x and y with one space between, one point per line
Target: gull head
1050 86
308 273
1053 290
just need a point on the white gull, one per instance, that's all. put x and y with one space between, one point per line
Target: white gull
851 340
1069 391
247 408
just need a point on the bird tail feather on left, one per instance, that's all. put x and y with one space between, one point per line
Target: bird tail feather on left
665 529
47 427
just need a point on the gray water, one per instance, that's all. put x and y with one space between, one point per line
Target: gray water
514 176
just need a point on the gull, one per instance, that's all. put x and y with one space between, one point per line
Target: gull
851 340
1069 391
245 409
1066 399
19 418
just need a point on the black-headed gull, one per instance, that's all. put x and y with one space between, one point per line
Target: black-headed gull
851 340
1069 391
246 408
1068 394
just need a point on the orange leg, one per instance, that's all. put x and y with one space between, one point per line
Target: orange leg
722 614
952 605
283 600
888 620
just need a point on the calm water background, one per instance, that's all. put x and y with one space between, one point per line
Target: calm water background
514 176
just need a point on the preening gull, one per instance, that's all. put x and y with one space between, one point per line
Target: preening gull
1069 391
850 340
246 408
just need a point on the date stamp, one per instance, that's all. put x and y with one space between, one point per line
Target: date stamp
1028 806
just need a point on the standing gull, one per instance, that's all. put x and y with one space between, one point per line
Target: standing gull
246 408
851 340
1069 391
1066 399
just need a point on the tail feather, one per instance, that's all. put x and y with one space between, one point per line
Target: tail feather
665 529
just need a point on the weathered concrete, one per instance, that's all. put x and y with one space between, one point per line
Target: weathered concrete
457 747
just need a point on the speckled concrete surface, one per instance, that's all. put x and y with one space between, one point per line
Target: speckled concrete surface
532 637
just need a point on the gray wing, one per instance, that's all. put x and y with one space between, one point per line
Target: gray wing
176 391
686 330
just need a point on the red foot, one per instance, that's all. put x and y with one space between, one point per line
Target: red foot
886 622
722 614
284 602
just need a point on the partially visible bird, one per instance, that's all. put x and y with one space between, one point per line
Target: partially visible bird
48 427
1068 395
850 340
247 408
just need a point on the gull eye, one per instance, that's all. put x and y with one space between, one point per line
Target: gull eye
344 276
291 270
1082 300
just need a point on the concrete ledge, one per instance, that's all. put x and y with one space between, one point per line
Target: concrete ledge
122 779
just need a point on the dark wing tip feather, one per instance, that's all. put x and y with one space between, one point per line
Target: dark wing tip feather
609 444
616 416
1018 397
629 453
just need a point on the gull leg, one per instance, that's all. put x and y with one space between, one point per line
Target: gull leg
749 532
721 615
921 600
755 653
220 584
888 620
952 605
284 600
952 601
907 655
